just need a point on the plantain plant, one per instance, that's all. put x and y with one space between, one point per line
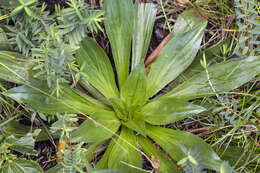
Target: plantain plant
123 109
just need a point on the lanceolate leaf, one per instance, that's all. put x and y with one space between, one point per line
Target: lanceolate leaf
103 162
166 111
212 54
19 130
104 126
13 69
119 21
133 92
91 150
170 139
136 124
24 145
93 91
166 164
97 68
70 100
119 107
226 168
21 166
188 20
123 155
224 77
175 57
4 44
143 27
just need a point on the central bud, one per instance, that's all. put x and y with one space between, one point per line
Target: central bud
120 109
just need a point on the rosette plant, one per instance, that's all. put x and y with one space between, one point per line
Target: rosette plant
123 106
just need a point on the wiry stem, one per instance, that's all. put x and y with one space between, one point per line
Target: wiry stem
214 90
165 16
247 27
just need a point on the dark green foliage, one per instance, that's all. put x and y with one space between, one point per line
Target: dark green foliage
9 163
123 114
54 61
50 40
77 20
130 112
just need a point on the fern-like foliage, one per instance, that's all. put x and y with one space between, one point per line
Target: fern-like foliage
78 19
248 23
26 29
53 57
49 39
22 37
73 156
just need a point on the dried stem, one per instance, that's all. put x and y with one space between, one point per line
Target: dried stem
247 27
151 58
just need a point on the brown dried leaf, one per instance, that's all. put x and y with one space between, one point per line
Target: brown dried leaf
157 51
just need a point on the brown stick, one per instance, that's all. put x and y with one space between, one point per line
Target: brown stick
157 51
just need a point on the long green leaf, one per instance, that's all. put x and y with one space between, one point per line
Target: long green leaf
188 20
119 108
24 145
166 165
119 21
13 69
91 150
106 125
224 77
103 162
212 54
19 130
175 57
170 139
136 124
123 153
143 27
70 100
133 92
226 168
21 166
4 44
97 68
93 91
166 111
